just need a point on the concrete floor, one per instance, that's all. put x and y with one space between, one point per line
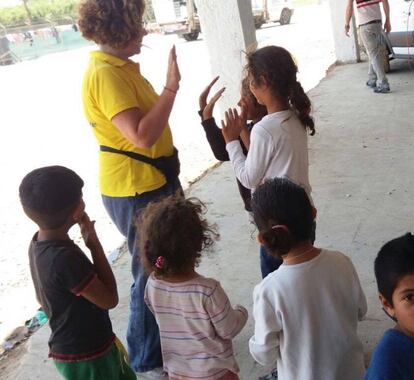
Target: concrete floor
361 165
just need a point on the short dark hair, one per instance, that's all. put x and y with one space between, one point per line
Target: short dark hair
175 230
49 194
279 201
395 260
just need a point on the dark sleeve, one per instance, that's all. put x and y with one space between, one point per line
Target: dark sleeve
73 270
215 139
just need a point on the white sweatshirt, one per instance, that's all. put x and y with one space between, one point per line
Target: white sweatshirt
306 320
278 148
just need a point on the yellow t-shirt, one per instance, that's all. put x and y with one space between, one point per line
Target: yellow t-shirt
112 85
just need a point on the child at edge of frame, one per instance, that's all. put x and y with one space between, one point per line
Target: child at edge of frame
75 293
393 358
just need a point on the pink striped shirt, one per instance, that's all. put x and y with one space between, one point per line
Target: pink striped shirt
197 324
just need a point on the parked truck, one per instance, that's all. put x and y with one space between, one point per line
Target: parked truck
177 16
180 16
271 11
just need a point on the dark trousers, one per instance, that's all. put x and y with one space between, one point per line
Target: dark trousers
143 338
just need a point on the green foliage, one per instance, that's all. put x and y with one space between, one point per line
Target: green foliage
40 10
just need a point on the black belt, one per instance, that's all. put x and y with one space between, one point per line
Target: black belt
169 166
372 22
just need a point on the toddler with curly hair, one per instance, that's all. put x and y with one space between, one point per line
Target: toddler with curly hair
196 320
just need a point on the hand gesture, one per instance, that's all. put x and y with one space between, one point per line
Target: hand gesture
207 108
88 232
173 71
387 26
202 100
232 125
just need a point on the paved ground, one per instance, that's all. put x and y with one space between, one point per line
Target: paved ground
361 164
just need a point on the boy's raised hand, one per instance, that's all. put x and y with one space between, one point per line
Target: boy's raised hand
232 125
207 108
202 99
88 232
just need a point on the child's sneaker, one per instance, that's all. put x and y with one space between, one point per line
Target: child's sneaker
155 374
372 83
382 88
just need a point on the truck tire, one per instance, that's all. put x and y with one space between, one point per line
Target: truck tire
285 16
191 36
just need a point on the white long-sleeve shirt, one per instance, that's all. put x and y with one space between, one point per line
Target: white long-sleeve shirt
306 320
278 148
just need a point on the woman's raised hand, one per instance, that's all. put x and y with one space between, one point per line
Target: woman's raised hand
173 72
232 126
207 108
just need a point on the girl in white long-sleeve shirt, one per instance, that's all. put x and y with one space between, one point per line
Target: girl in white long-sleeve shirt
306 312
279 141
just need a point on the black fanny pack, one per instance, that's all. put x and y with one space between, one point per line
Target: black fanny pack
169 166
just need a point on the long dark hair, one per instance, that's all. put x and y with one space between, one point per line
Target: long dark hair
276 66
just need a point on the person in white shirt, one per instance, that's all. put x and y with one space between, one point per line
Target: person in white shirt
306 312
279 141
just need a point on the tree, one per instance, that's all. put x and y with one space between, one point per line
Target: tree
149 15
29 14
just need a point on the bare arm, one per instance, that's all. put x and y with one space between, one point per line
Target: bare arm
102 291
348 16
143 130
387 24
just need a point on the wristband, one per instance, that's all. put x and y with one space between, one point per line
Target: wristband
170 90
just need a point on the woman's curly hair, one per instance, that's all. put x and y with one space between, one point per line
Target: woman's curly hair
276 66
111 22
172 233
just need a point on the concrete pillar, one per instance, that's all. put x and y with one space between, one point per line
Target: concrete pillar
228 29
346 48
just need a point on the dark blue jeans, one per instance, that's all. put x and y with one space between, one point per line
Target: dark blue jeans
268 263
143 337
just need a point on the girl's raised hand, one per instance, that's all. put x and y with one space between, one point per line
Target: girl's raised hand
173 72
202 100
208 109
231 127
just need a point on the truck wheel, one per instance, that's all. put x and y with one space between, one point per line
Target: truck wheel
285 16
191 36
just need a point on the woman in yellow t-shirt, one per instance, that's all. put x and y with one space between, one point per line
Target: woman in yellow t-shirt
138 162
